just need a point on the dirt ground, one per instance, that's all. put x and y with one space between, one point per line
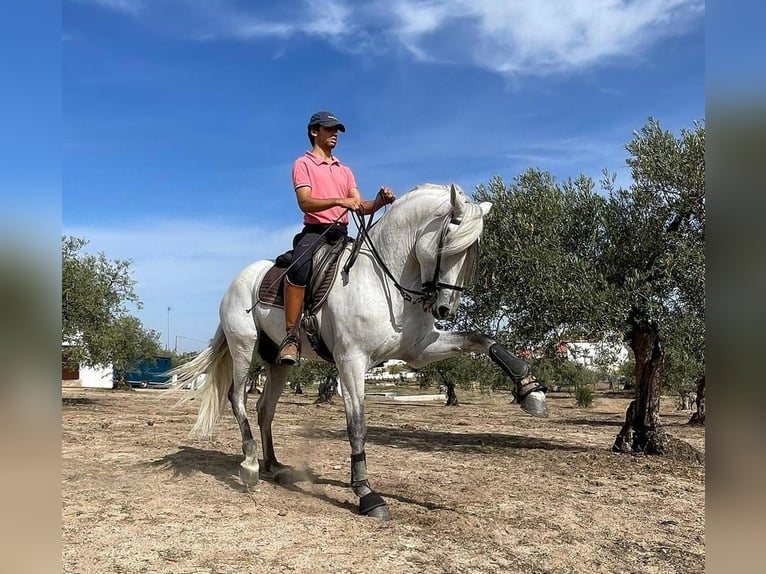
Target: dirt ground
481 488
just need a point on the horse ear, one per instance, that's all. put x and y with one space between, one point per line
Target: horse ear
485 207
458 203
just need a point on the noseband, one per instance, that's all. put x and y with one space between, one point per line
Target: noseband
429 289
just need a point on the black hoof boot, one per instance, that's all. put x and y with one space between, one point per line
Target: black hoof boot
372 504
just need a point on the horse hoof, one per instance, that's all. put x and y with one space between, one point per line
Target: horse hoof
248 476
285 475
373 505
381 513
534 404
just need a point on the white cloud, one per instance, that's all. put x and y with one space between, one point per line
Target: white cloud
510 37
132 7
541 37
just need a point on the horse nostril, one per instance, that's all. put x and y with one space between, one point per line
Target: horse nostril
443 311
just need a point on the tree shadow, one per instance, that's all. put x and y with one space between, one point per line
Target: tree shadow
77 401
590 423
428 440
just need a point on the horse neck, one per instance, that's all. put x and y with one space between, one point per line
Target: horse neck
394 238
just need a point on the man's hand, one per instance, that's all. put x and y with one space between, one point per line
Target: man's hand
352 203
387 195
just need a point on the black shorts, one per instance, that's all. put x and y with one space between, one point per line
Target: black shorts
304 245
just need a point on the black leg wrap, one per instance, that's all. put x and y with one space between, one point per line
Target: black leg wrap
358 468
511 364
370 502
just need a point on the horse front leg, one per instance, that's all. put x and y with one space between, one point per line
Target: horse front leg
351 374
445 344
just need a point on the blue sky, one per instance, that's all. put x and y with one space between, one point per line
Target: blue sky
181 118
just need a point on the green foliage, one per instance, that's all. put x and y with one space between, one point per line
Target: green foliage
126 342
584 396
684 355
307 373
656 228
627 373
396 369
177 359
256 369
538 253
463 371
559 260
95 292
563 373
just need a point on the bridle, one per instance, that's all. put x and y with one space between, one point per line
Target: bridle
428 289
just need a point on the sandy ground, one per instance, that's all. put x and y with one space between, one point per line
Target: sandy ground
481 488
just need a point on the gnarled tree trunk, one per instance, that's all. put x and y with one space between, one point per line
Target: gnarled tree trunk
642 431
451 394
326 390
698 418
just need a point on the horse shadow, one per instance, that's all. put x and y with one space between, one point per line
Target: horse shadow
225 469
187 460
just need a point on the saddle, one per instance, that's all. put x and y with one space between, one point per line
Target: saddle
324 272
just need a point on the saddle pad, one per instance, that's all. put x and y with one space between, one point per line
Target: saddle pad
271 290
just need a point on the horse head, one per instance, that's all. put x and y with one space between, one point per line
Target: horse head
447 251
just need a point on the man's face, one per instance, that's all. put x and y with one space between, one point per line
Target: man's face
326 137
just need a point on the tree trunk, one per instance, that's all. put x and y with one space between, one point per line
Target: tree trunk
121 385
451 395
326 391
698 418
253 389
642 431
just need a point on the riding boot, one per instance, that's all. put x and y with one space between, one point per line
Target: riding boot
290 349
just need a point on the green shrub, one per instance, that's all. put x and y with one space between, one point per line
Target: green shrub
584 396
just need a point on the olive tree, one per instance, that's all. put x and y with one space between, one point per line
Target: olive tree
95 324
559 260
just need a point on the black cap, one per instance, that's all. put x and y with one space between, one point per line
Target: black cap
327 120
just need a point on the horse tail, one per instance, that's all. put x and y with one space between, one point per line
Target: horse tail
215 363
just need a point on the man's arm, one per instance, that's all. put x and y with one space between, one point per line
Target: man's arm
383 197
310 204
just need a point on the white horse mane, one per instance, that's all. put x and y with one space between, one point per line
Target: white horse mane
437 196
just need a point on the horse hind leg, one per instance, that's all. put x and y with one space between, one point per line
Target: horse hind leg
276 379
248 468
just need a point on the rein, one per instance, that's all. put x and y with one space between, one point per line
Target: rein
428 289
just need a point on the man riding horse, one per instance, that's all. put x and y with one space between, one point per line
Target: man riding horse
326 190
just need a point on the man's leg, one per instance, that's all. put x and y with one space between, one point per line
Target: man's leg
289 351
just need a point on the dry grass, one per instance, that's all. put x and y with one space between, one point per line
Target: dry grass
478 488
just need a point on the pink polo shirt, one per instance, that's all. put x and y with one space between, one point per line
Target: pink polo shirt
327 180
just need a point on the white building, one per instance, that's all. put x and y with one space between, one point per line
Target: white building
93 377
